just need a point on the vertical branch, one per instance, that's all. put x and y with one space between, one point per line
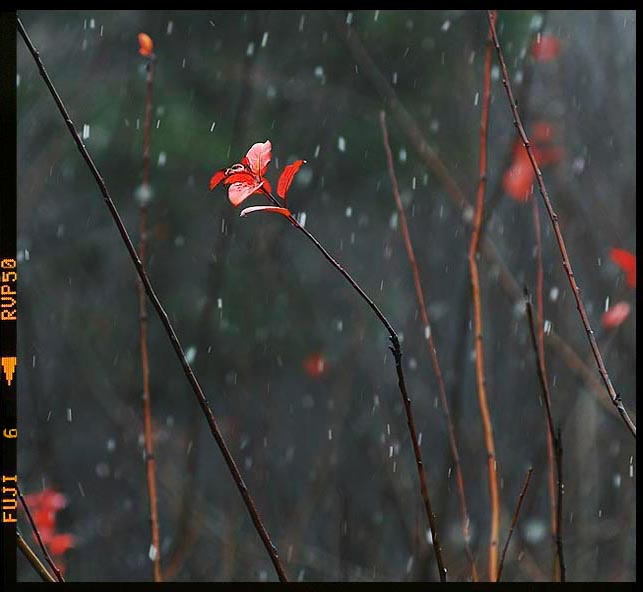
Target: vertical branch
492 470
614 396
514 521
540 308
165 321
431 345
36 532
150 461
555 437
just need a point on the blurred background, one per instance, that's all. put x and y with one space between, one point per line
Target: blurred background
295 366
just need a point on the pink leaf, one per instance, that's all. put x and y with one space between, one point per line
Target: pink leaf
283 211
239 192
615 315
259 156
287 176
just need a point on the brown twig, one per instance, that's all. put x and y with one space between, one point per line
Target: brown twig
150 461
513 522
431 344
397 355
614 396
541 351
165 321
32 558
522 96
555 437
492 471
434 164
36 532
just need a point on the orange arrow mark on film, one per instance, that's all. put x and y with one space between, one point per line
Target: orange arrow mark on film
9 365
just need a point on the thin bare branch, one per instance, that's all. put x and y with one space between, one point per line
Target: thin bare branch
50 561
614 396
32 558
555 438
541 353
150 459
514 521
169 329
397 355
428 335
483 402
434 164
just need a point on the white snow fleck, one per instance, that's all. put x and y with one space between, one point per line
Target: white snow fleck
190 354
341 144
85 131
446 25
162 159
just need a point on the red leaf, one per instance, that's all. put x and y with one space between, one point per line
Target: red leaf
546 48
217 178
615 315
518 180
627 262
44 519
259 156
239 192
283 211
242 177
146 45
315 365
266 185
287 176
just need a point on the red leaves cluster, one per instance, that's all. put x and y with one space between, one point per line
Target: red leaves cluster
43 507
248 177
519 178
145 45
